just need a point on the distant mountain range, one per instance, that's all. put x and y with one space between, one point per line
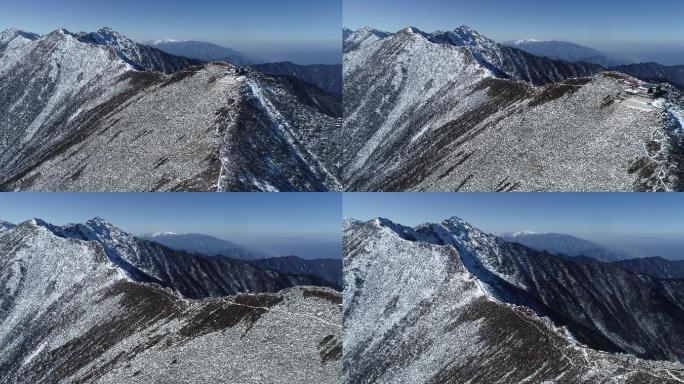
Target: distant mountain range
582 250
201 50
204 245
571 52
459 305
329 270
566 51
89 302
565 245
456 111
100 112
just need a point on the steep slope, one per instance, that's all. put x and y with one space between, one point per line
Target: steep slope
201 50
325 77
561 244
70 315
329 270
456 111
508 62
292 141
432 305
76 116
203 245
563 50
655 72
655 266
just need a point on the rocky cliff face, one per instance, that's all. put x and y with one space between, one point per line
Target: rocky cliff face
446 303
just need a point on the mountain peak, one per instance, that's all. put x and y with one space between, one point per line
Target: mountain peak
99 221
381 221
62 32
411 31
465 29
455 220
106 30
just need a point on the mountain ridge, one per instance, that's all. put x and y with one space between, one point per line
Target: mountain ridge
81 114
414 302
191 275
455 111
68 315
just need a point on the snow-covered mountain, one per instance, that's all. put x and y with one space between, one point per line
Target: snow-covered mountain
77 113
204 245
140 56
566 51
450 111
562 244
201 50
329 270
89 303
191 275
447 303
325 77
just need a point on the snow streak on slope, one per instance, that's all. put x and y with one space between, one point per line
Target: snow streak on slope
472 120
291 142
68 315
422 305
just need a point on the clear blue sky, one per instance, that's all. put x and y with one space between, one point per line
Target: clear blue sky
576 20
284 223
256 26
591 215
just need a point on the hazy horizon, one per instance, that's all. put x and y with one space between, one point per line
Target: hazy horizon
305 31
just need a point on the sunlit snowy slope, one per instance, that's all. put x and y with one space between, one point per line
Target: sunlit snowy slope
90 303
447 303
456 111
99 112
